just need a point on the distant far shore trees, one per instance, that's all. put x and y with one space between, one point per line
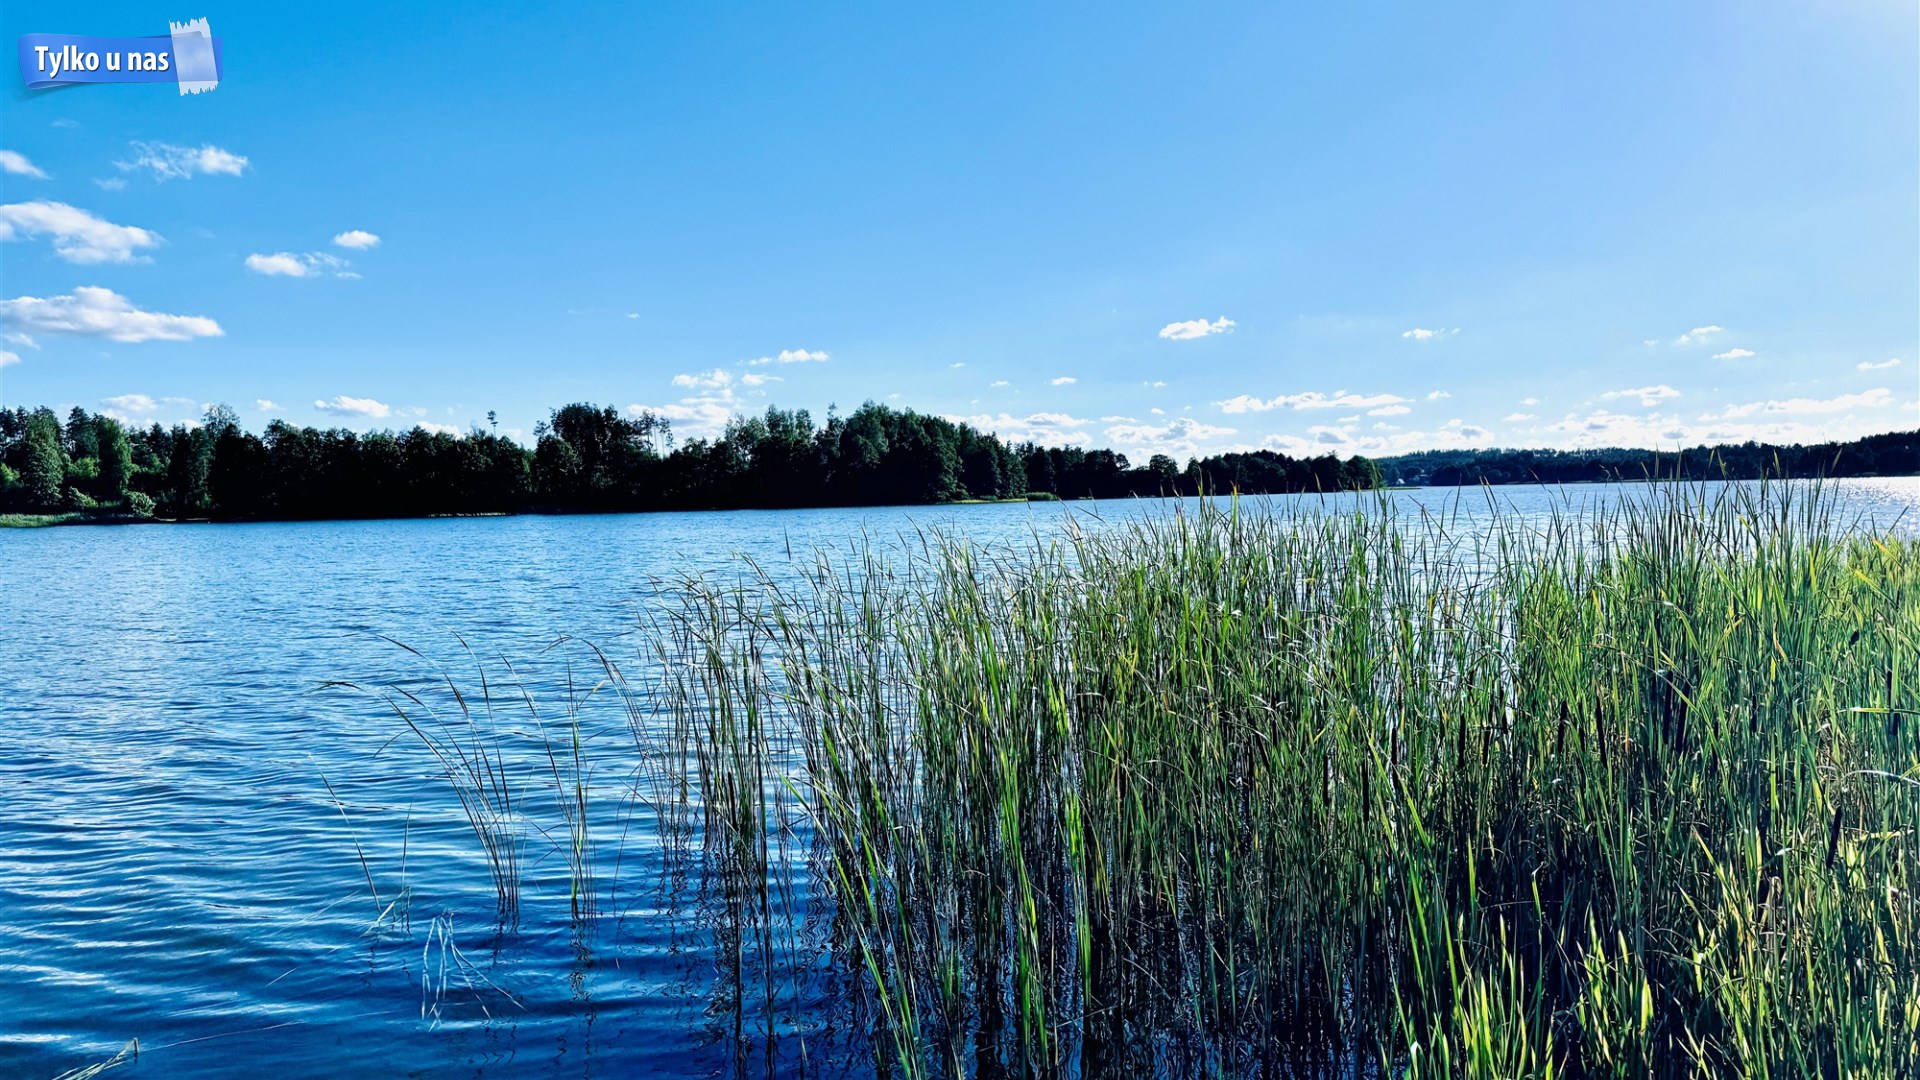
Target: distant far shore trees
584 458
597 458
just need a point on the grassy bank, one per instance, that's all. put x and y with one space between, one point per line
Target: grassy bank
1630 792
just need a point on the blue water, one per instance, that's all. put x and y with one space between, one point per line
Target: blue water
174 868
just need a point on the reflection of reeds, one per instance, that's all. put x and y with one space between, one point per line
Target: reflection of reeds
1336 791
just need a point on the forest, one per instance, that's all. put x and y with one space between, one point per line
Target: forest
584 458
588 458
1895 453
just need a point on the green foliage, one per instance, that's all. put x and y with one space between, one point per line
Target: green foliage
115 457
1333 794
43 471
140 504
76 499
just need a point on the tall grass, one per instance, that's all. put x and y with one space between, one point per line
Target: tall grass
1336 791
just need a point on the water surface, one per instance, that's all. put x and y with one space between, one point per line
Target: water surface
175 868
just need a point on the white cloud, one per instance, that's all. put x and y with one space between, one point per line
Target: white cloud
1389 410
15 163
998 383
1699 335
1649 395
717 379
1158 411
169 162
1196 328
287 264
1890 362
8 358
957 364
1181 436
132 403
264 405
1734 354
1530 402
357 239
78 237
343 405
791 356
438 428
1050 428
1117 420
1064 380
91 311
1326 438
1311 399
1515 418
1438 395
1421 333
1154 384
1877 398
754 378
633 314
109 183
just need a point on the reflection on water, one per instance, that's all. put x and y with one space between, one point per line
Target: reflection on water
253 876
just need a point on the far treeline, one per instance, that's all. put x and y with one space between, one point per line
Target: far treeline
597 458
585 458
1896 453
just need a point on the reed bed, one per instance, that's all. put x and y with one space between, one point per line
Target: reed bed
1329 792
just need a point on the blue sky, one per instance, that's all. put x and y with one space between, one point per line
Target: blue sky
1158 227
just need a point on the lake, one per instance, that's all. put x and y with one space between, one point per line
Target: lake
193 830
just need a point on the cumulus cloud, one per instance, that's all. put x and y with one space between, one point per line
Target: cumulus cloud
791 356
1196 328
343 405
167 161
1890 362
14 163
754 378
1698 335
8 358
264 405
1877 398
1181 436
1389 439
1438 395
717 379
1389 410
287 264
1734 354
132 403
1312 399
998 383
91 311
1515 418
1051 428
1530 402
1649 395
357 239
437 428
78 237
1064 380
958 364
1421 333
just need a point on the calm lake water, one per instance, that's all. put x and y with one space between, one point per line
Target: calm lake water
174 868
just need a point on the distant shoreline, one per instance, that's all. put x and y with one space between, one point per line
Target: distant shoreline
121 517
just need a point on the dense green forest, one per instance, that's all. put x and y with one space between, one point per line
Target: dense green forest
1893 454
591 458
584 458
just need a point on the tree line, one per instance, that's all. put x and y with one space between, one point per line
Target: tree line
1895 453
585 458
